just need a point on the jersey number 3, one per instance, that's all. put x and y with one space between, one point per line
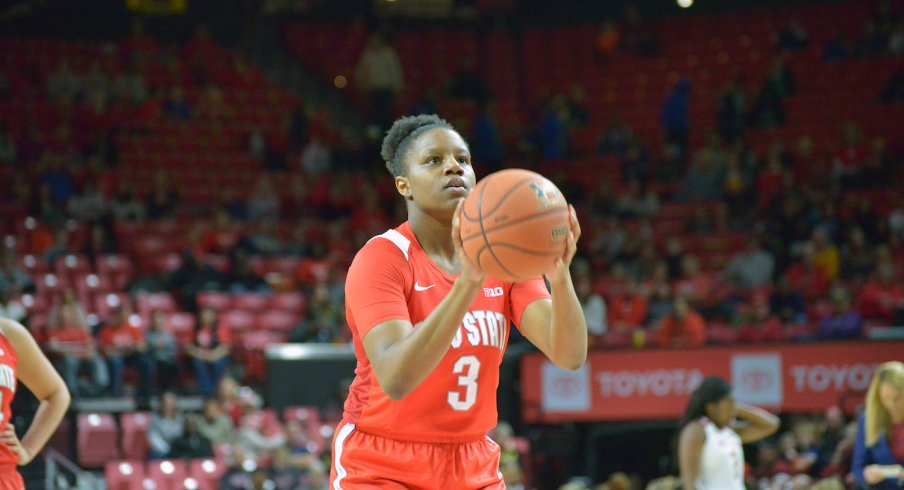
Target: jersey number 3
468 367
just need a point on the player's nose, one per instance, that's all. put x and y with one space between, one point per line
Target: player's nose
453 167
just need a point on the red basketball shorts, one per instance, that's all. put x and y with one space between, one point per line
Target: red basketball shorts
10 479
366 461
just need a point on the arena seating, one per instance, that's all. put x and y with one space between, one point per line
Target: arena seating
208 160
168 474
134 435
206 472
98 439
709 49
124 475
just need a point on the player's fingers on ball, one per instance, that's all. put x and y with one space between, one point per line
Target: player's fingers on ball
575 224
456 236
570 245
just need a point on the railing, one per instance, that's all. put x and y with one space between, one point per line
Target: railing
64 474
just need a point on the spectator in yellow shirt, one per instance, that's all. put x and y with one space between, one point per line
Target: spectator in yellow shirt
827 258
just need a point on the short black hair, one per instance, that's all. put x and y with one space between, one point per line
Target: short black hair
398 138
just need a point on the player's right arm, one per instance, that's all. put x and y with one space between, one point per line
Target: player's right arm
403 356
36 372
757 423
690 447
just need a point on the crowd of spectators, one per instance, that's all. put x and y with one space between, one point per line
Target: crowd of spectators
821 257
813 452
254 443
68 202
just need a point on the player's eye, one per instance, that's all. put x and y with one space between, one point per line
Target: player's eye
464 160
434 160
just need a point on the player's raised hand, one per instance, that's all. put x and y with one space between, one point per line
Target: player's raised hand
561 265
9 438
469 270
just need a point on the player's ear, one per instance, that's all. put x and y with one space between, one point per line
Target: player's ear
401 184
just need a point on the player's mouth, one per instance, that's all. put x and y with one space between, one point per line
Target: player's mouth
457 185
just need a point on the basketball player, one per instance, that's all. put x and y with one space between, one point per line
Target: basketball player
710 456
429 329
20 358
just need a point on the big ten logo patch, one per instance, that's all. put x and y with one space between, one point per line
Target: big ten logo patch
493 292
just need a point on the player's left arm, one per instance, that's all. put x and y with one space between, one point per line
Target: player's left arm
557 326
755 423
36 373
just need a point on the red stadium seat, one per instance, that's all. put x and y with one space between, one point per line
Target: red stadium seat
135 435
217 261
61 440
98 439
215 300
33 265
72 264
279 321
258 340
150 302
302 413
50 285
799 331
124 475
104 304
206 472
721 333
293 302
167 262
311 422
117 269
167 474
613 339
35 303
37 324
250 302
153 246
238 320
282 265
89 286
181 325
251 350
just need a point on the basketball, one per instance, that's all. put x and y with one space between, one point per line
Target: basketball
514 224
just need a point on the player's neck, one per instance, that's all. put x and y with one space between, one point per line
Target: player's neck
434 236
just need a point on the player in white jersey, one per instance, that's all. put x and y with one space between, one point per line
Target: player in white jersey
714 427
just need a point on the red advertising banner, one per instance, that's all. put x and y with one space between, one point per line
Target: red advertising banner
656 384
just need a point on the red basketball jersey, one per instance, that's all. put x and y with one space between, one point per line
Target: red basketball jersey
8 362
392 278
